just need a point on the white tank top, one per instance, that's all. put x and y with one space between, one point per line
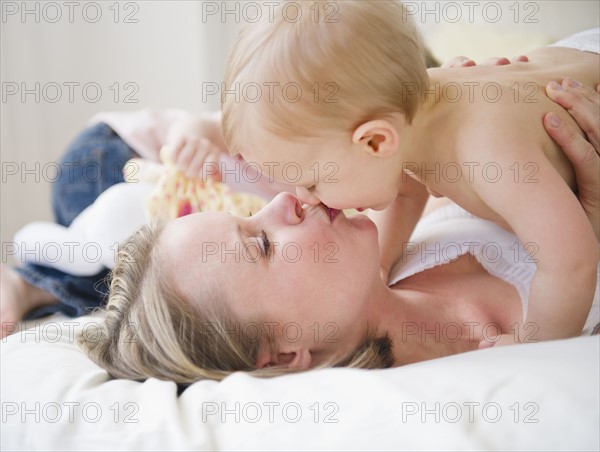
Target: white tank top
451 231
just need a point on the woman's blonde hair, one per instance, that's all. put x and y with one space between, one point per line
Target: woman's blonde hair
151 331
322 68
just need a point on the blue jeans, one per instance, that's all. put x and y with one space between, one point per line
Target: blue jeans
93 162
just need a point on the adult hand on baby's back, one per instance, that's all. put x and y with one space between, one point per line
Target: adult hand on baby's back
463 61
191 148
583 104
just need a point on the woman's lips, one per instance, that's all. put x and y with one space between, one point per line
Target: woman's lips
299 209
332 212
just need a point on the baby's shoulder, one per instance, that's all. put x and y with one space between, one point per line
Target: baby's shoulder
486 129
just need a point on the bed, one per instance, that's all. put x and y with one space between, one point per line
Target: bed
542 396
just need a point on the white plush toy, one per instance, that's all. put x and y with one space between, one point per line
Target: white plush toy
91 242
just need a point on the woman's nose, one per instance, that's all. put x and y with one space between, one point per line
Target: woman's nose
284 208
305 196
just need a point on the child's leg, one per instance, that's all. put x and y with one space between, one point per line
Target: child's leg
93 163
17 298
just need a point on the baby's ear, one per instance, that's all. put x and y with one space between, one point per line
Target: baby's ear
379 138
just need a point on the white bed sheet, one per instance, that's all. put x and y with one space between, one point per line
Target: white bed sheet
530 397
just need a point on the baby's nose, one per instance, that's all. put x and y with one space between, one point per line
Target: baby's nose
305 196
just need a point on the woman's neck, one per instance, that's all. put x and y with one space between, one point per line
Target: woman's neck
445 310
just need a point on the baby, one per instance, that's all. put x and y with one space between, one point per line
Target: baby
348 113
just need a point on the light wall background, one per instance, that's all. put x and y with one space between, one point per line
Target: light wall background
169 51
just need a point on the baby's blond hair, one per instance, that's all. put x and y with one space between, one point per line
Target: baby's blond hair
151 331
337 65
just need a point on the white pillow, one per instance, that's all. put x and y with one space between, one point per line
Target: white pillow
530 397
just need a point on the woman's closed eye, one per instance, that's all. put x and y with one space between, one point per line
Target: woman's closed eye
266 243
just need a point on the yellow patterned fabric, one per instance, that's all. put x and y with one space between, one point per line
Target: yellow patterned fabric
177 195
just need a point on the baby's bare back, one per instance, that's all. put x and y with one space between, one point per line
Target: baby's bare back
483 104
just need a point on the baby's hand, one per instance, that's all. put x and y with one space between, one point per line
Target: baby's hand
498 341
525 335
191 149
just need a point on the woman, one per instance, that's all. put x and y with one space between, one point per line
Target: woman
290 289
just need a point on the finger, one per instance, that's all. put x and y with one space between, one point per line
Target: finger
459 61
587 119
520 59
582 103
581 153
187 153
485 344
573 85
174 149
598 88
209 169
570 92
496 62
193 169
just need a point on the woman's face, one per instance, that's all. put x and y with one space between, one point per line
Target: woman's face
306 274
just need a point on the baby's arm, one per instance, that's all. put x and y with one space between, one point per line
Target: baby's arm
550 222
396 222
